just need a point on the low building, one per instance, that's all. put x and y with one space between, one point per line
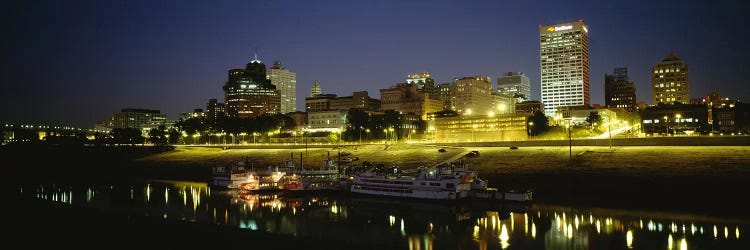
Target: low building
326 120
480 128
677 118
528 107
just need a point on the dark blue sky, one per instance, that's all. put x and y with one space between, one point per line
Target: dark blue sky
78 62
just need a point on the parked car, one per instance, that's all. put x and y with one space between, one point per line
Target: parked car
472 153
345 153
346 160
513 147
442 150
475 152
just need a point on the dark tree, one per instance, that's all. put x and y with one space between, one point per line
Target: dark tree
593 118
130 136
538 123
158 135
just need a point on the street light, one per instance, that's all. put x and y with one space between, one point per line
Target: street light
386 135
609 130
254 135
360 135
666 126
570 145
392 134
678 116
531 124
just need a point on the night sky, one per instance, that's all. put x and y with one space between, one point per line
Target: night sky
78 62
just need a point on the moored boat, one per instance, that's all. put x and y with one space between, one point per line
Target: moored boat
236 176
436 183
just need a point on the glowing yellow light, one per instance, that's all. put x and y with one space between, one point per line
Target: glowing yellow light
683 244
670 242
570 231
737 232
598 227
504 237
533 230
726 232
476 232
629 238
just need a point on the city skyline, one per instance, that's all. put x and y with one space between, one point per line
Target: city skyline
78 64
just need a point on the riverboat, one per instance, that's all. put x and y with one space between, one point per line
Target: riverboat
437 183
236 176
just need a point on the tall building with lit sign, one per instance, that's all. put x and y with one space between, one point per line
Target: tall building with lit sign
669 80
286 82
564 62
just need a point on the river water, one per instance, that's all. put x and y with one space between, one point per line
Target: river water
407 224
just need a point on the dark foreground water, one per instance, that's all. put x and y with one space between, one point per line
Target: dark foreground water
402 224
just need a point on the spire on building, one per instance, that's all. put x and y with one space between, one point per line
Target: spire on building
315 89
255 60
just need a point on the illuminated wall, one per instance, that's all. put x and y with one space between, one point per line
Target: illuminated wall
481 128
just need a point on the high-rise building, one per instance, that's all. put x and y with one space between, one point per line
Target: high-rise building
618 91
444 91
564 62
286 82
315 89
248 93
670 81
424 82
514 84
472 95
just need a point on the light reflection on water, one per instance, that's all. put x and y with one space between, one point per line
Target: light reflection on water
408 224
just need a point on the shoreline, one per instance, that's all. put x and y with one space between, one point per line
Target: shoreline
693 179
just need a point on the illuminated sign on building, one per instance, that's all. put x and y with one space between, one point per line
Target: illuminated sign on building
566 27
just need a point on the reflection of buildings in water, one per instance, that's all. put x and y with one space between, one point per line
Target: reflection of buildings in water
397 223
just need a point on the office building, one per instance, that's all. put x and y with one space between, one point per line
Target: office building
424 82
472 95
670 81
618 91
286 82
564 62
249 94
514 84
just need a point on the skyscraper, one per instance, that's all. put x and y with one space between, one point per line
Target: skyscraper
248 94
564 62
286 82
514 84
670 80
618 91
315 89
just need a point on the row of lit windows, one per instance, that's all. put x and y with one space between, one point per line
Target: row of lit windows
667 70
